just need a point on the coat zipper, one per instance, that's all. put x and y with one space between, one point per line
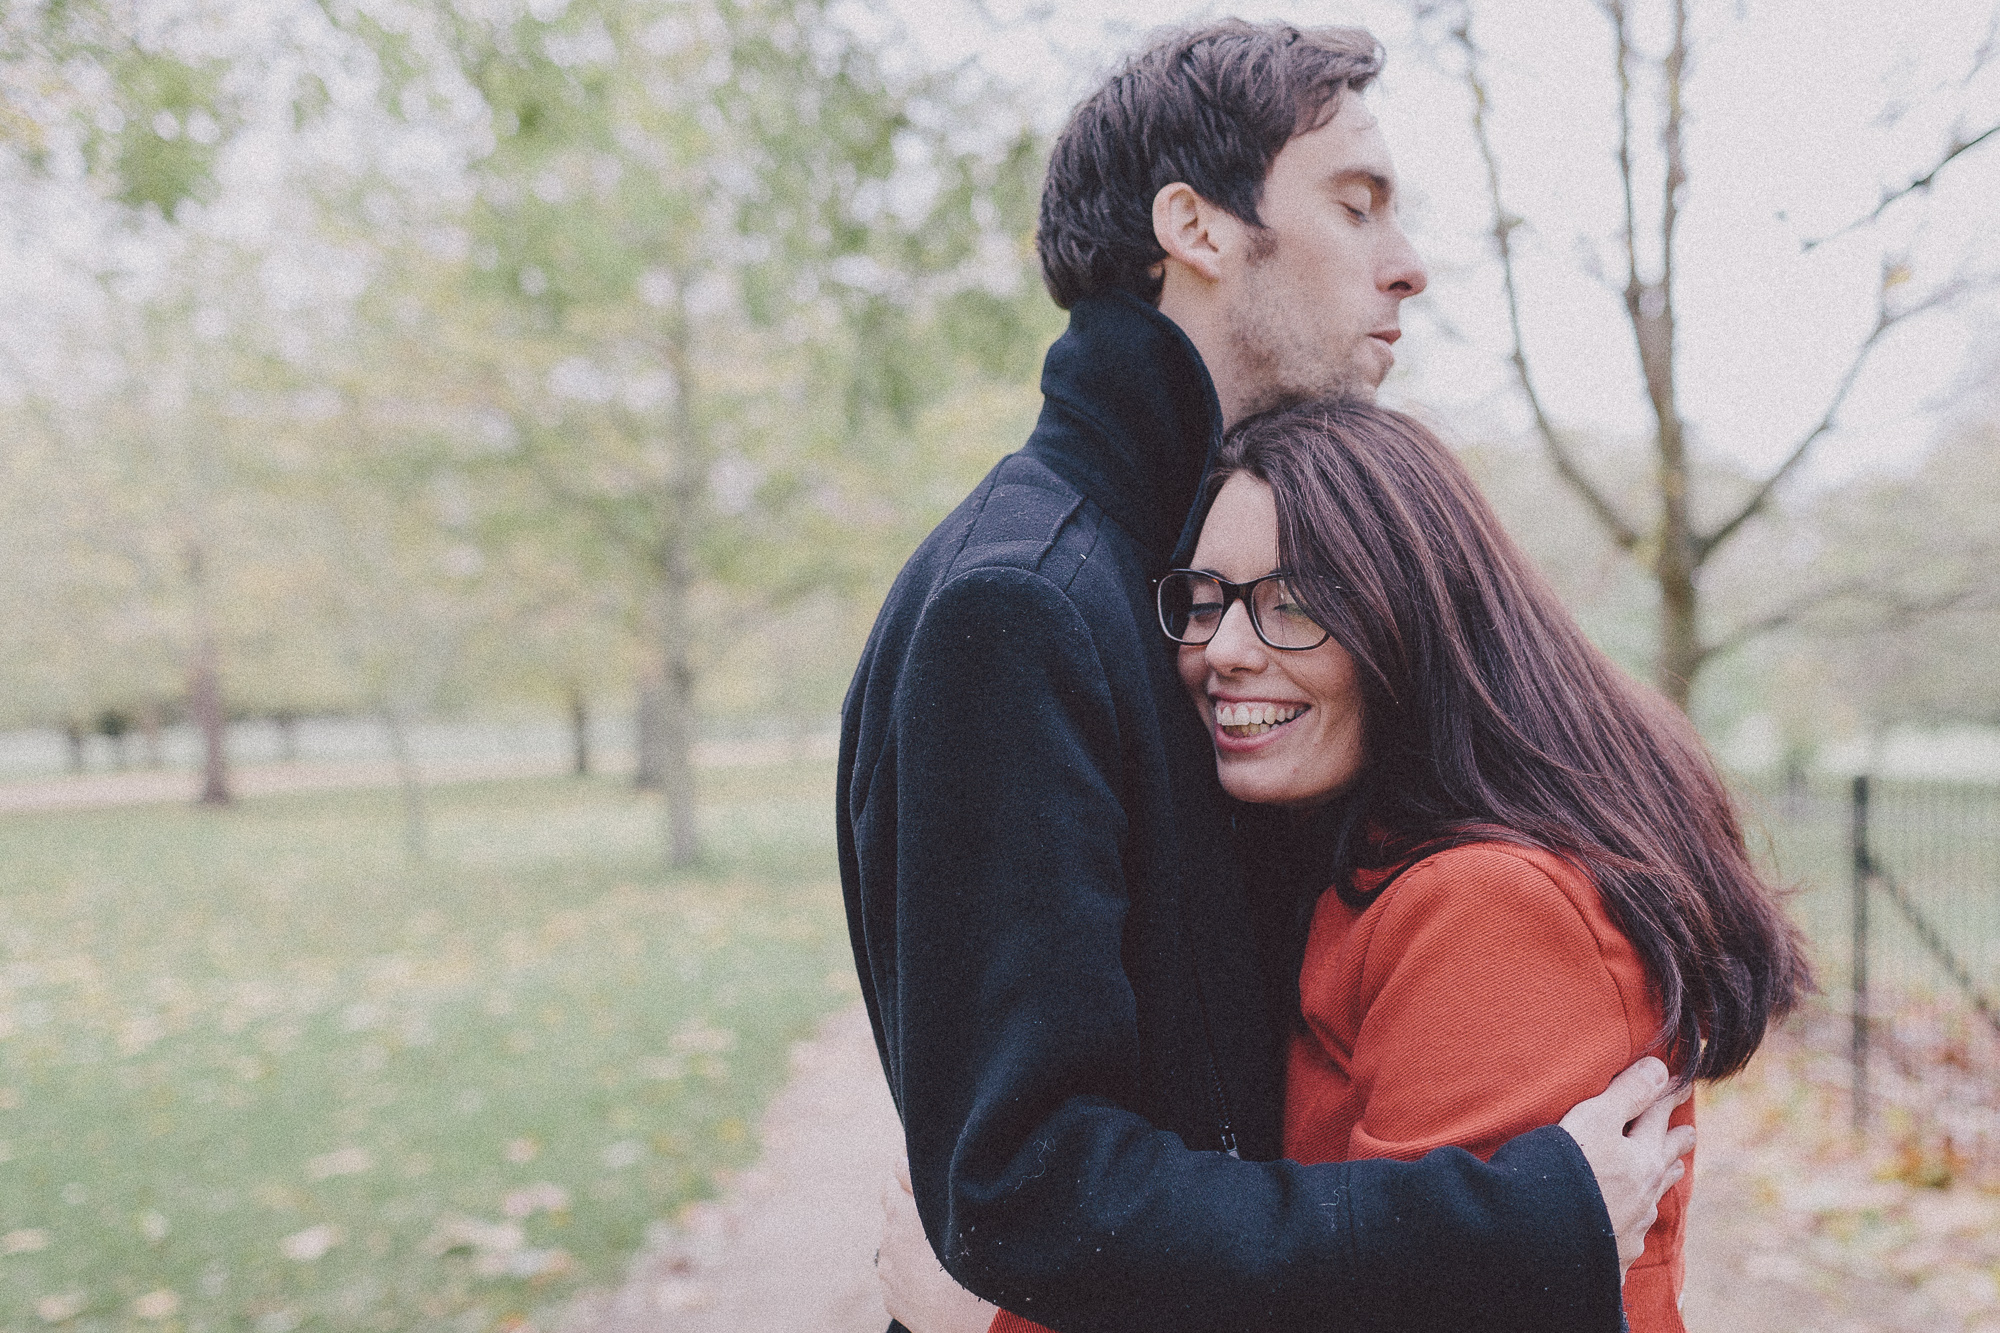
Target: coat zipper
1228 1131
1222 1110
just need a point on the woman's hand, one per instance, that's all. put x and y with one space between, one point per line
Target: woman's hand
916 1290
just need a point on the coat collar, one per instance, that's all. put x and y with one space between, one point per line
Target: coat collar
1130 418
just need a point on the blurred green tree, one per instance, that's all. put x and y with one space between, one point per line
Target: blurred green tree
689 319
1910 634
717 261
137 100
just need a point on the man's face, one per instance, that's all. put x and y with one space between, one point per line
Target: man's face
1312 306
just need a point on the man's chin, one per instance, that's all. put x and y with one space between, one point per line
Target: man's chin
1360 387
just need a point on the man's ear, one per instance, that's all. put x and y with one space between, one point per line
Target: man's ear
1192 230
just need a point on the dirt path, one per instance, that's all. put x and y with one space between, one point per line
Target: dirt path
1789 1232
788 1249
1798 1228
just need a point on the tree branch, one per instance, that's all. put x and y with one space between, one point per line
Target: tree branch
1958 147
1778 619
1621 531
1896 612
1614 10
1885 320
607 515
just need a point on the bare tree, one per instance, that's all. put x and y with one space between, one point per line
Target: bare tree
1670 542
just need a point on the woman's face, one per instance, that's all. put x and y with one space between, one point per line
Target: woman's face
1287 726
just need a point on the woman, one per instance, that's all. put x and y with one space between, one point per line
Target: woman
1536 875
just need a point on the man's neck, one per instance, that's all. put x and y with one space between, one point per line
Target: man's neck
1206 327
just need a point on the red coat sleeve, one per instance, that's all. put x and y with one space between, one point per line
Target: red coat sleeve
1493 993
1488 1006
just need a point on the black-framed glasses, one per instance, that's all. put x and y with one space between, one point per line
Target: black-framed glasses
1192 605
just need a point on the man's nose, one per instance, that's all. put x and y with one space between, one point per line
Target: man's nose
1402 268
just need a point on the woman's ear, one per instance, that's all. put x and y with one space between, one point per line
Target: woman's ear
1193 232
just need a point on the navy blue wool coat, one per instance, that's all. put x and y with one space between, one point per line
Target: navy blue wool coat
1060 954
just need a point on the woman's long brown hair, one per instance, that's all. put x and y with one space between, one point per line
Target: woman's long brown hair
1489 716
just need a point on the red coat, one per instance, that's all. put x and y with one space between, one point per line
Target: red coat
1483 994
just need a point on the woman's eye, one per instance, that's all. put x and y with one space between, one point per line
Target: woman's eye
1204 611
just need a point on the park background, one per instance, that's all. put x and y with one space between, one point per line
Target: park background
451 452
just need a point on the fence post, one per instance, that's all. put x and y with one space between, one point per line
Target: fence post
1863 870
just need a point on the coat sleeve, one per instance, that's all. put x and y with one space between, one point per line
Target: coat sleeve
1495 1002
1011 1035
1490 1008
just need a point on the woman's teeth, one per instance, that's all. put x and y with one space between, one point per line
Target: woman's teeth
1254 719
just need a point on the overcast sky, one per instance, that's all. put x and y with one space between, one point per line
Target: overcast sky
1786 142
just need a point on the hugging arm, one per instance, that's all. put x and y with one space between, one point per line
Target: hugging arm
1011 1034
1493 1002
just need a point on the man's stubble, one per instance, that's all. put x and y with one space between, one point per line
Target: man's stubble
1276 350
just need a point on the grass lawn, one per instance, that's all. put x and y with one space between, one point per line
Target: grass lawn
259 1072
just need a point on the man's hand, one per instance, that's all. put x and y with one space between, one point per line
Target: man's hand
1624 1136
916 1290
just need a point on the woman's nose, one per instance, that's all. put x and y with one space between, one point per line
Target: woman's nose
1235 646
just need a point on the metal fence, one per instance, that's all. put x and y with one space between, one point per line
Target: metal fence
1898 888
1924 904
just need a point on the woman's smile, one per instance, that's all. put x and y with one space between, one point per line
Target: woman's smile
1246 720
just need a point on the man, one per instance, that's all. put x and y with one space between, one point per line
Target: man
1057 945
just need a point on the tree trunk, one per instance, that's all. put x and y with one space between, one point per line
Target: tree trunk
676 575
666 708
1676 563
114 726
288 736
677 740
1650 306
149 733
409 780
579 733
649 730
205 686
205 706
73 736
1680 653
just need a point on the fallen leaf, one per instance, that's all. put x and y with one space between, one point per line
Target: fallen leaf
61 1309
161 1304
543 1196
311 1244
454 1233
340 1162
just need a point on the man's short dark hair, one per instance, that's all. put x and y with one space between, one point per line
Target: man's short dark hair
1208 105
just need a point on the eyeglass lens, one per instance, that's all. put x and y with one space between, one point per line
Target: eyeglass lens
1192 607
